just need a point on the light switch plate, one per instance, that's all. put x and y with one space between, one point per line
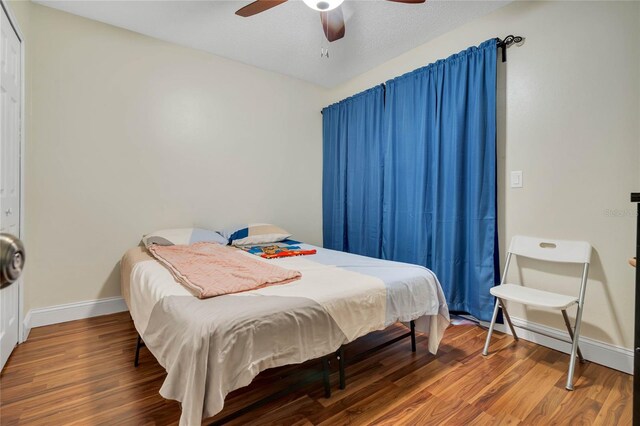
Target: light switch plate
516 179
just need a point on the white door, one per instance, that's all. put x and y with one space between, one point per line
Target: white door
10 111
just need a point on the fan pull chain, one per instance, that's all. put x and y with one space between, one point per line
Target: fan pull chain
324 50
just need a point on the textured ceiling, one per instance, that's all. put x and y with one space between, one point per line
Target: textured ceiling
287 39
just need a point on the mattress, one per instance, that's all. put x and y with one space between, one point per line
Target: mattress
213 346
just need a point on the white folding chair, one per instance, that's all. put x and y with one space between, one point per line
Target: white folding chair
550 251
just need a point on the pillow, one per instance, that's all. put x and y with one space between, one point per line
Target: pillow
255 233
183 236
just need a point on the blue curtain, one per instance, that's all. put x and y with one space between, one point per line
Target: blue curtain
410 174
440 175
352 173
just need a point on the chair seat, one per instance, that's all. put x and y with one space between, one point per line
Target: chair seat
531 296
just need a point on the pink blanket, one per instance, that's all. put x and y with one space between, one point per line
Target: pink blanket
208 269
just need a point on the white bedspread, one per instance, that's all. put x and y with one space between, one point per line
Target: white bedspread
214 346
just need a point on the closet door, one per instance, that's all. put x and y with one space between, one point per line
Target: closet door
635 198
10 129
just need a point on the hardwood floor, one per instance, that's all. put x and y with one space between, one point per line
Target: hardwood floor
82 373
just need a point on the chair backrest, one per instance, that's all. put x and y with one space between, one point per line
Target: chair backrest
551 250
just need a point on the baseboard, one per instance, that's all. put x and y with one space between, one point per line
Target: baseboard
72 311
606 354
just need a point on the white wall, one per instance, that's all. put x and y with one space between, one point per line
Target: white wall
128 134
569 107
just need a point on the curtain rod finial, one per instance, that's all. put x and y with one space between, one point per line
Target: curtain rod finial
508 41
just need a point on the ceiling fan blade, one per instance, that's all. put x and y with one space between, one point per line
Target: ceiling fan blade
408 1
333 24
257 7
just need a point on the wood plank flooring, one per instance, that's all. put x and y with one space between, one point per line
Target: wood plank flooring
82 373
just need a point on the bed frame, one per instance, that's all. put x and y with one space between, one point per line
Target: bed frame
342 361
307 376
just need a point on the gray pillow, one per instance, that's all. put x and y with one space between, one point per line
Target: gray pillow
183 236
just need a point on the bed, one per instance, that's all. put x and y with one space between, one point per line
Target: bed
210 347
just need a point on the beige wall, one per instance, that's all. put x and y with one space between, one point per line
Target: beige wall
128 134
569 107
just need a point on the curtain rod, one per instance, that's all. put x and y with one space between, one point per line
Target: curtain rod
508 41
503 44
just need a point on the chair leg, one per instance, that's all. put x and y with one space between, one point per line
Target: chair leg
508 318
568 324
574 349
485 351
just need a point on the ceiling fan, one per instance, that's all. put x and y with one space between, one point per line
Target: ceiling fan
330 13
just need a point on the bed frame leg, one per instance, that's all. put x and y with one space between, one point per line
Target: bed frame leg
325 377
341 363
413 336
138 346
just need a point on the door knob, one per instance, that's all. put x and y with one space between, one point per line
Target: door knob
11 259
8 211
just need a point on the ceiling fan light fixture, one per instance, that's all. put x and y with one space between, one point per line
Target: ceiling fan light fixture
323 5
